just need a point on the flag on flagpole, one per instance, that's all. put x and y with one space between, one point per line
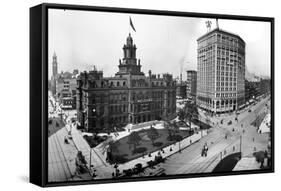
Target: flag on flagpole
131 23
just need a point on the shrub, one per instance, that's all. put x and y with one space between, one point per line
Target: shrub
158 144
177 137
174 138
119 159
139 150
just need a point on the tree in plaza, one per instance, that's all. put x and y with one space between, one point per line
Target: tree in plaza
174 129
167 126
191 112
112 148
111 125
182 115
134 139
152 134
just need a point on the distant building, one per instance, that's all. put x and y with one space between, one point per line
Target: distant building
54 74
181 90
63 85
128 97
66 85
265 86
252 90
221 72
75 72
191 84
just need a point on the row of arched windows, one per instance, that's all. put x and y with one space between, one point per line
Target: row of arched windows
108 84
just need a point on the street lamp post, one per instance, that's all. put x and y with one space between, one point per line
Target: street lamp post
116 169
90 158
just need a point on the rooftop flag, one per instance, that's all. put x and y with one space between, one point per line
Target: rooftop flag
131 23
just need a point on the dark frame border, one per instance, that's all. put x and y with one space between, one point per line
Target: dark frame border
39 82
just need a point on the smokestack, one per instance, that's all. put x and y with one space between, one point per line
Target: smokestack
181 78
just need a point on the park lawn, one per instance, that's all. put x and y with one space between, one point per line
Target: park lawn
124 151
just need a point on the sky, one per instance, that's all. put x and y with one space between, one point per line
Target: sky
82 39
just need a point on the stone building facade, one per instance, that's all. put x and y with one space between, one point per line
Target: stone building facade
221 72
128 97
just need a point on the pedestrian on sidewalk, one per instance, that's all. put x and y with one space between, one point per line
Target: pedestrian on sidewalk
262 163
65 140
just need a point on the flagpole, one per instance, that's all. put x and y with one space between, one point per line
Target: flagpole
129 25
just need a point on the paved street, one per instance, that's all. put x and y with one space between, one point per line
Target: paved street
222 140
61 159
190 160
61 156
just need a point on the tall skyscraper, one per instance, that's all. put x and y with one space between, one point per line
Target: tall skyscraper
221 71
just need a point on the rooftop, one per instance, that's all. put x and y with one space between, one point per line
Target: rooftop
220 31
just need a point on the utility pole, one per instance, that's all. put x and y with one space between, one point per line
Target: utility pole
241 145
90 158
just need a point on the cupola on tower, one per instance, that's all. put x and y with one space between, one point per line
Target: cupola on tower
129 64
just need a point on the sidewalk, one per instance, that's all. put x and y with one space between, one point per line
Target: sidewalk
247 164
102 169
61 159
168 151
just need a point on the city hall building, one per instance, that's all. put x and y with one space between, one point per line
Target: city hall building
128 97
221 72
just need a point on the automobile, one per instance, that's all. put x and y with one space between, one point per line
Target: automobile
128 172
138 168
249 110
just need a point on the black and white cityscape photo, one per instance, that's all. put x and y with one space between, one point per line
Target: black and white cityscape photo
138 95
